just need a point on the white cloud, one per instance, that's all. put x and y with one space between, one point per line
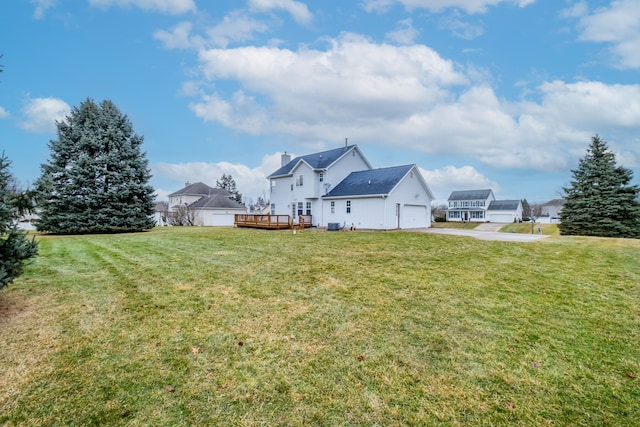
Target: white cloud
4 113
313 87
444 180
235 27
251 182
460 28
179 37
469 6
405 34
576 10
41 7
409 97
378 6
297 10
41 114
618 26
171 7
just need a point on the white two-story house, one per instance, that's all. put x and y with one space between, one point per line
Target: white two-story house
482 206
340 186
209 206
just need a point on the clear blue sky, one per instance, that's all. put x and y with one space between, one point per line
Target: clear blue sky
501 94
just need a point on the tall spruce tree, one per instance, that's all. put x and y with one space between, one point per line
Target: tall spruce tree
15 248
97 177
600 200
228 183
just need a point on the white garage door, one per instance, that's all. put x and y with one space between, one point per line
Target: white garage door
223 219
494 217
413 216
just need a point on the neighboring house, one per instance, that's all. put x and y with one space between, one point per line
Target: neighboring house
160 213
210 206
550 211
482 206
340 186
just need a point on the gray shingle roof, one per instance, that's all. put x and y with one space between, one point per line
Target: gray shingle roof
554 202
503 205
320 160
216 201
470 195
199 189
370 182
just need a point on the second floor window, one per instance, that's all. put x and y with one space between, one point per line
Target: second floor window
299 181
348 206
321 176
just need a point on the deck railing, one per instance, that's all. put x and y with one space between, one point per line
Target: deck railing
274 222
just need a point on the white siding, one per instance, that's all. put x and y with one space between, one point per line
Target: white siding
216 217
312 189
381 213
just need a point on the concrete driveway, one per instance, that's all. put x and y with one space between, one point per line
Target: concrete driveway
486 235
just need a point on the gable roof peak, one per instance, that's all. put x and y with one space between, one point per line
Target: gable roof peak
318 161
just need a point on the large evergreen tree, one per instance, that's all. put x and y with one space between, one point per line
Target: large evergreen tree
600 200
97 177
15 248
228 183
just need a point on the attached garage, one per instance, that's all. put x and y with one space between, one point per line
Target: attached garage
500 217
504 211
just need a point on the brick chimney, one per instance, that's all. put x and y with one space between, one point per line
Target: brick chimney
286 158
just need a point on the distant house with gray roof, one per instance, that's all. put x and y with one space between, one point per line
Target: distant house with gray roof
550 211
482 206
209 206
340 187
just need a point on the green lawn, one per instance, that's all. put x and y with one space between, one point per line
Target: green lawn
527 228
206 326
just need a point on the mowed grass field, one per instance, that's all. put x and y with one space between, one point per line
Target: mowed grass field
223 326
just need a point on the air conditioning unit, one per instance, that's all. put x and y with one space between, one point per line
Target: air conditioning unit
333 226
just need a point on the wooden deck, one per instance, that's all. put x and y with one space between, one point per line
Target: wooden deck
272 222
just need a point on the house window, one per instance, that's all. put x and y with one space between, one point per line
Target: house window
454 214
291 187
273 208
333 207
299 208
321 176
348 206
273 183
299 181
308 208
293 209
